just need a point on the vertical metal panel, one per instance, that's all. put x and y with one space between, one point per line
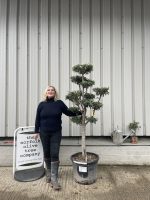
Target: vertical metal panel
3 20
146 12
85 40
33 67
74 48
43 46
64 58
137 66
22 65
54 51
127 77
116 64
85 31
40 41
106 18
12 68
96 34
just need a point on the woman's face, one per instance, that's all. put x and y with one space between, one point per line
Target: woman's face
50 93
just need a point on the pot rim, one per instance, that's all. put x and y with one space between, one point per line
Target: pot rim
84 163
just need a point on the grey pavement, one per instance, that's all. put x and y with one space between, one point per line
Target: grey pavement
113 183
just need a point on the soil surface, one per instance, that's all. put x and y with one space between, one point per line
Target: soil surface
91 157
113 183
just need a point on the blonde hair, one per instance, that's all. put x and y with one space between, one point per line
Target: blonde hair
45 91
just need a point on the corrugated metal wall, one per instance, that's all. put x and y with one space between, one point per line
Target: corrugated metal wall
41 40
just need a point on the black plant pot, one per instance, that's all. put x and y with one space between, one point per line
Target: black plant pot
85 173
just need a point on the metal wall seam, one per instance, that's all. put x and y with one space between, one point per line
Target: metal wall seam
101 66
12 73
111 66
39 83
143 66
28 60
70 59
7 54
147 61
90 50
132 59
49 43
17 61
3 64
122 67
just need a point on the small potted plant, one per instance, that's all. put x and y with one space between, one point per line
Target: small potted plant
86 100
133 127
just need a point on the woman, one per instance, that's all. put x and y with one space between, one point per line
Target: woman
48 127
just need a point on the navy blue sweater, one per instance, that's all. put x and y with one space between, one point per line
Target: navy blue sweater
48 116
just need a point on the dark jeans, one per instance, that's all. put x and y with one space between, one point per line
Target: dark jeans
51 145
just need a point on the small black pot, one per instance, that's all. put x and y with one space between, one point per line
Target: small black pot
84 173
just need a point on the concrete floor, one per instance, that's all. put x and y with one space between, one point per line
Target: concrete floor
113 183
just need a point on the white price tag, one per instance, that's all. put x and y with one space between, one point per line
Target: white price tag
82 169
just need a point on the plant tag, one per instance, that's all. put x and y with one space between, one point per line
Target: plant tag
82 169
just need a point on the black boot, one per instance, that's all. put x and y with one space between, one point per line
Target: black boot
54 175
48 170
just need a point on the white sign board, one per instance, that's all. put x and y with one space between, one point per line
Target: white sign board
29 152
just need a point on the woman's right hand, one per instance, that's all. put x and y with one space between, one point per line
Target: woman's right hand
36 136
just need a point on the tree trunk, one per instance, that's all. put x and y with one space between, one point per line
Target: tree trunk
83 134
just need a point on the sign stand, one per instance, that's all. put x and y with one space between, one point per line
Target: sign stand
28 162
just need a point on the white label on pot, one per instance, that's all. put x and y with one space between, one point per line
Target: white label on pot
82 169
